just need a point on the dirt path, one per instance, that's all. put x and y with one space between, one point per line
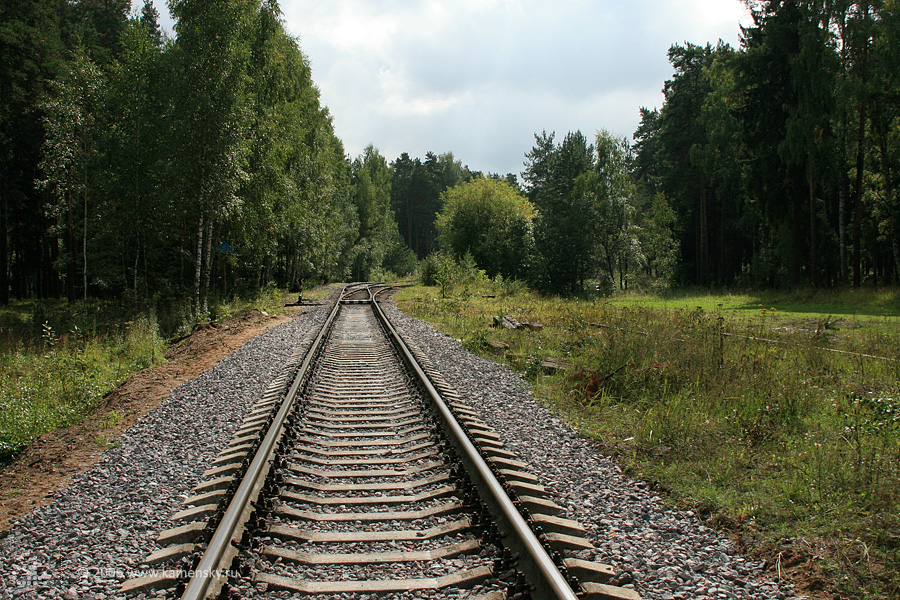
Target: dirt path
53 459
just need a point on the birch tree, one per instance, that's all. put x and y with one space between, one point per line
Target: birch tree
70 159
212 55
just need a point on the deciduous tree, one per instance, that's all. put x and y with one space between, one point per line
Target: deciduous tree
212 53
490 220
70 157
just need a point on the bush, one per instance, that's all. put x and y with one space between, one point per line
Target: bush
428 269
489 221
506 287
440 269
401 261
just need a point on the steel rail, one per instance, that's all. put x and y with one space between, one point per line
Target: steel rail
207 570
544 575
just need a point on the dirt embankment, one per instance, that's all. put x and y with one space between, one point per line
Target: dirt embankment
53 459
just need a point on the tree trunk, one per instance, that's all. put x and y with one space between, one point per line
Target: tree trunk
409 238
857 200
137 257
813 225
4 251
207 261
723 273
797 231
198 270
704 237
84 254
860 164
842 213
71 275
895 273
146 282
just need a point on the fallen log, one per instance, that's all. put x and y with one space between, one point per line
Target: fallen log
508 322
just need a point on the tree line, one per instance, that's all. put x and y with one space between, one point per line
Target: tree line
771 165
781 159
581 222
134 165
166 170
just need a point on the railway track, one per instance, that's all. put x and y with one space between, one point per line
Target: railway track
359 473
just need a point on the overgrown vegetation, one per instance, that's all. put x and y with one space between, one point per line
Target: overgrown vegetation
56 378
58 360
747 414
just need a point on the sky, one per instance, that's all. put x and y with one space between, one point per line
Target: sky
479 78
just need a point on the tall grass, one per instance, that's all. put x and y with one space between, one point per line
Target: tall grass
58 360
747 416
57 380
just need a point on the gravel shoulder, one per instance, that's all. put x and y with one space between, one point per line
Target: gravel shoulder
85 541
668 554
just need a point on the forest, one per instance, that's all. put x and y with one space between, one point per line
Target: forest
177 170
173 170
773 165
781 159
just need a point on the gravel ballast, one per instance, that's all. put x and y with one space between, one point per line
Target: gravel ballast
97 531
669 554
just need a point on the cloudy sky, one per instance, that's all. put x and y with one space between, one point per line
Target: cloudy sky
480 77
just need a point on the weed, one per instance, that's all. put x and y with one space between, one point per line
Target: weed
739 404
104 442
112 419
476 341
59 382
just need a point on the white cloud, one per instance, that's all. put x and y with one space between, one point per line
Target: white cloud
397 99
480 77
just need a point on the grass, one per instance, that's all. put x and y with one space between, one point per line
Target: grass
58 360
742 412
56 380
864 305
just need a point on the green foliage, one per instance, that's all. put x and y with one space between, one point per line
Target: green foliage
607 194
171 170
737 407
446 274
660 249
32 54
377 235
212 95
401 260
428 269
268 299
57 383
133 215
509 287
779 159
416 195
70 157
442 270
561 229
489 220
593 222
